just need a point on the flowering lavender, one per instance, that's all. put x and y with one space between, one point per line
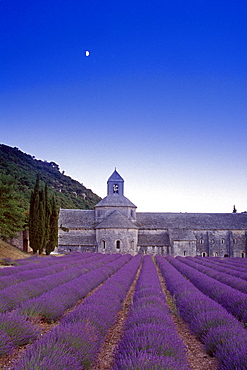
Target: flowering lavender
224 275
225 268
234 301
207 319
82 331
12 296
19 330
6 344
150 340
52 304
44 269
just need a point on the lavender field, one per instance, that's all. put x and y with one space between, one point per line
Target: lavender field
119 312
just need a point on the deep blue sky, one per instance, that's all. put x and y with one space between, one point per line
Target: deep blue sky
162 96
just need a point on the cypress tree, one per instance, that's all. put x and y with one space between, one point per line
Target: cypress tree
53 227
43 220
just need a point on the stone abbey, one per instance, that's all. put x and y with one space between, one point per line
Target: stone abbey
115 226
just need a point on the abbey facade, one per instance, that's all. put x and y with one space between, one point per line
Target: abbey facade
115 226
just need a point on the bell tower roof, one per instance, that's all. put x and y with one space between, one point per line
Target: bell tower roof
115 184
115 176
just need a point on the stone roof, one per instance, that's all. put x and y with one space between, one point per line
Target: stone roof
116 220
76 218
68 239
115 177
115 200
160 239
194 221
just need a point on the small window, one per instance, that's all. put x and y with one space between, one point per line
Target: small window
118 244
215 254
204 254
115 188
234 240
184 253
243 254
98 213
222 241
132 213
201 241
103 244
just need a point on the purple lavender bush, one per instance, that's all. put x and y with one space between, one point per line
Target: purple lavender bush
6 344
12 296
20 330
224 275
216 290
51 305
82 331
150 340
207 319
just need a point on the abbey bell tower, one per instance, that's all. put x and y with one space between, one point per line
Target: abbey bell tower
115 184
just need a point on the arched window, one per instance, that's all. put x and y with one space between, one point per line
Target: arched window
184 253
216 254
204 254
132 214
103 244
201 241
243 254
118 244
222 241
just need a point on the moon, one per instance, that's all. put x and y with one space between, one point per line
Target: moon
87 53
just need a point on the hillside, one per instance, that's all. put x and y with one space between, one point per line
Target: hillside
10 252
24 168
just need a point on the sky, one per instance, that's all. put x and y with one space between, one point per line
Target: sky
162 96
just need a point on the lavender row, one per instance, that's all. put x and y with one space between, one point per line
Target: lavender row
236 263
150 340
227 268
42 272
12 296
15 331
40 262
51 305
212 271
75 342
231 299
223 336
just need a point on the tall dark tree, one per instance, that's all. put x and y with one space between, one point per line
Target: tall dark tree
36 218
53 227
43 227
12 217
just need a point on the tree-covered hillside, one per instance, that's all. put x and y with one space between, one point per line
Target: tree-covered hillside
24 169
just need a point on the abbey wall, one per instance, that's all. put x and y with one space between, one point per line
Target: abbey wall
114 226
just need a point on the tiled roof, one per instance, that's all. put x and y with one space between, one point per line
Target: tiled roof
115 177
68 239
116 220
76 218
194 221
115 200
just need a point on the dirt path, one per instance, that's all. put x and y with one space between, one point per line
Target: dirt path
105 358
196 354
